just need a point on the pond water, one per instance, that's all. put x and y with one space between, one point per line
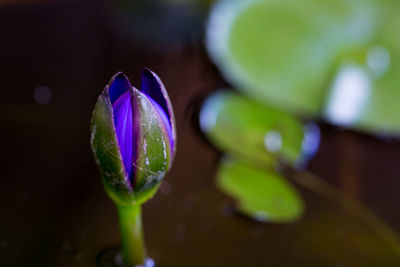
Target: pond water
55 60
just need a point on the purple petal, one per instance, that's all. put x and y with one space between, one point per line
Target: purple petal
120 96
123 122
152 86
165 119
118 85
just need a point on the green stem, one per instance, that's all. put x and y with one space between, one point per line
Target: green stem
133 248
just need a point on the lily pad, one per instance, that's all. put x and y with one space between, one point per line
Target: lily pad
250 130
378 78
364 93
282 52
361 100
261 194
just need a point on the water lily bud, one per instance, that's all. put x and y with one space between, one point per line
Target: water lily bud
133 137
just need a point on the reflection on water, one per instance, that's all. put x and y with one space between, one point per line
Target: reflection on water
111 257
311 141
348 95
208 117
42 95
273 141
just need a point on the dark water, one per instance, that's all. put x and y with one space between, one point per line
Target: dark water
54 211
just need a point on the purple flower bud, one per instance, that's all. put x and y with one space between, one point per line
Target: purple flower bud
133 137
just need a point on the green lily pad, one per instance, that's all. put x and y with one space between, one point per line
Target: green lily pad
365 94
382 109
358 99
282 52
250 130
260 193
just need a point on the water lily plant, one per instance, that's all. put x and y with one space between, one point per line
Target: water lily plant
133 139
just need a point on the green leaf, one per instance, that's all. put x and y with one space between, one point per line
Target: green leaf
260 193
282 52
238 125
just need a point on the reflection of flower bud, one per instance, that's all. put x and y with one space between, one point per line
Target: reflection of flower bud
133 137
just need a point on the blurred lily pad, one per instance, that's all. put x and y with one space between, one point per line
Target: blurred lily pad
282 52
364 93
260 193
372 80
250 130
363 99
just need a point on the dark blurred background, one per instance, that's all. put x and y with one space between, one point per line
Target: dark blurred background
55 59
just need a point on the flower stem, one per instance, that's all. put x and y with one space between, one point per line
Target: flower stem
133 248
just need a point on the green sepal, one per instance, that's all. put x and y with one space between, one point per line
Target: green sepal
106 152
154 154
